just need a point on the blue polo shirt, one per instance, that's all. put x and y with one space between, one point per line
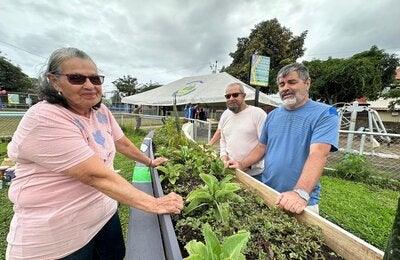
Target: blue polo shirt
288 135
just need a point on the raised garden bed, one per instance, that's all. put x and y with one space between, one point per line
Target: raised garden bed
335 239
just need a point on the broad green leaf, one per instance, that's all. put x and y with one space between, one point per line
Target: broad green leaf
193 205
162 168
199 194
211 240
218 212
208 179
226 192
196 250
235 197
233 245
227 179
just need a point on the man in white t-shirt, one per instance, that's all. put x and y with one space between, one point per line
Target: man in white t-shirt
240 126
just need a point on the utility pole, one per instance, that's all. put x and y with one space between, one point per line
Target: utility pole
214 67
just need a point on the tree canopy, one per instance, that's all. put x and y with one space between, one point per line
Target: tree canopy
364 74
268 38
126 85
13 79
148 86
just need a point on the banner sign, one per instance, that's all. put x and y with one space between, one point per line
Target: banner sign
259 72
13 98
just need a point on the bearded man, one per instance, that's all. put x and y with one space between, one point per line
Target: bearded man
240 127
295 142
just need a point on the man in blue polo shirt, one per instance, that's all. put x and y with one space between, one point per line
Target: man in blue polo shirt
296 140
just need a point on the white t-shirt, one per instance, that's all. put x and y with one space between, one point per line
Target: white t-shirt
54 214
240 133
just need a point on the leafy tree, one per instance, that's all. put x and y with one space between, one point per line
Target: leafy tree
126 85
386 63
147 87
270 39
13 79
393 93
342 80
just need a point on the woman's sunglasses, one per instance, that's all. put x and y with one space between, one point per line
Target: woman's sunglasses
235 95
79 79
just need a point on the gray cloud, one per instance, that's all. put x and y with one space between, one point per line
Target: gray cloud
163 41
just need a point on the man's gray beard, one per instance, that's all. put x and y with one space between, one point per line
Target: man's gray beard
234 109
289 102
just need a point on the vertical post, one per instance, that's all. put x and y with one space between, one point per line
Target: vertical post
195 125
256 96
352 126
209 132
362 143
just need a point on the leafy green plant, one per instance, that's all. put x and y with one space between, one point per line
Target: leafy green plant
164 151
168 135
170 171
198 162
354 167
230 248
218 169
214 194
184 153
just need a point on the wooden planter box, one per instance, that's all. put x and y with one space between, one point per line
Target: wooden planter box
156 233
339 240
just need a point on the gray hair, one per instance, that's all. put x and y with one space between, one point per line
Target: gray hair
57 58
300 68
241 88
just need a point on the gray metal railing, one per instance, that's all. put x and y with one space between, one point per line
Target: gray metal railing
381 149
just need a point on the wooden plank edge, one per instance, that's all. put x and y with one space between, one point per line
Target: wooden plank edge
339 240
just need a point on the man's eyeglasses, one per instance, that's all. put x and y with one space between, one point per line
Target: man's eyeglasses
235 95
79 79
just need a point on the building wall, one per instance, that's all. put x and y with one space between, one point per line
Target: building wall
388 116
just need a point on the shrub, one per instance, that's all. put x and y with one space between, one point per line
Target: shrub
354 167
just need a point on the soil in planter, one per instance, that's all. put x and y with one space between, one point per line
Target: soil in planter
274 234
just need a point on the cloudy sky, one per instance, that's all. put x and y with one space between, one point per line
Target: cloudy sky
163 41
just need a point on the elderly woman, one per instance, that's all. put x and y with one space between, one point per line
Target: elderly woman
66 190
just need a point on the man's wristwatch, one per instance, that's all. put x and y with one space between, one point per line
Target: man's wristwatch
303 194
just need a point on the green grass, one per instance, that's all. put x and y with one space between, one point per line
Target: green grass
3 151
364 210
126 169
8 125
6 213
